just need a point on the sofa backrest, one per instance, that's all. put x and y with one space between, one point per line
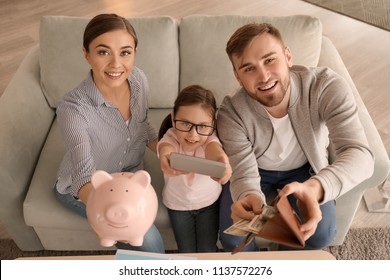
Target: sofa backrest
63 65
200 47
203 39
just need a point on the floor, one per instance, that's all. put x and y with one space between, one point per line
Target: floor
363 48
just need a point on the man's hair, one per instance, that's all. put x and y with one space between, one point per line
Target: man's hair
245 34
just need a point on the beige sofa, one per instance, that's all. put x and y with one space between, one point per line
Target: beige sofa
173 55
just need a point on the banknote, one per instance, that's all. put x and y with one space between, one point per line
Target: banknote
258 221
243 227
238 228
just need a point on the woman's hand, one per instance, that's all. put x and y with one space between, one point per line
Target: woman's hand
84 192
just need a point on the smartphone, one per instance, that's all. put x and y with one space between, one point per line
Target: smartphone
199 165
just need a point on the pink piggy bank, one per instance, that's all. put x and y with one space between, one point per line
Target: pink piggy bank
121 206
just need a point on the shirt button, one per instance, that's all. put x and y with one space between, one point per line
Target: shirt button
120 163
128 139
124 152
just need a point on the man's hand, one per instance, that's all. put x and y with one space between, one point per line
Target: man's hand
247 207
308 195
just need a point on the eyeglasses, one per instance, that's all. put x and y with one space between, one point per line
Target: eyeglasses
201 129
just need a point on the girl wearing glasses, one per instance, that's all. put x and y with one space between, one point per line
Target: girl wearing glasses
192 199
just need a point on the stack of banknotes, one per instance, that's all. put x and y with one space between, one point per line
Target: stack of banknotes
243 227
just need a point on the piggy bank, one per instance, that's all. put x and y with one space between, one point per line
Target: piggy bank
121 206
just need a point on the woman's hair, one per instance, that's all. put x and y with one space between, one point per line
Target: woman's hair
244 35
104 23
191 95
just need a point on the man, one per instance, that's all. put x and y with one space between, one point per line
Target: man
276 130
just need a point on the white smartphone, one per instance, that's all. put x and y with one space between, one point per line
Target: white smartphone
199 165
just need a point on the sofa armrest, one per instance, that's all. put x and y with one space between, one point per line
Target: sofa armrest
348 203
331 58
25 119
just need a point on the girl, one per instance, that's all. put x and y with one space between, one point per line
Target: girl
192 199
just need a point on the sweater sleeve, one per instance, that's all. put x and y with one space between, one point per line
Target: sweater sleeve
353 160
245 179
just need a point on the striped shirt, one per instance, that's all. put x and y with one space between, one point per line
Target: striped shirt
97 137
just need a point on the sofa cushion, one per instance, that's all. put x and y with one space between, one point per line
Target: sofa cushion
63 65
203 39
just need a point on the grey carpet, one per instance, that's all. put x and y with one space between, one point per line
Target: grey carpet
9 251
359 244
374 12
364 244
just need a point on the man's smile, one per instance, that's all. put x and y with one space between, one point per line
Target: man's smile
267 87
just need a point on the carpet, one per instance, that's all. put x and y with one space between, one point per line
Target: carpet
9 251
359 244
364 244
374 12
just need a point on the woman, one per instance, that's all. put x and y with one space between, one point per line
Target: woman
104 121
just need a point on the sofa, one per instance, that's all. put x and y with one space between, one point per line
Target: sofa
173 54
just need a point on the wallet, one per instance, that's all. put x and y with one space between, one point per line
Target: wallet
283 228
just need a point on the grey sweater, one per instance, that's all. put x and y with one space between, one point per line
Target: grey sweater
321 109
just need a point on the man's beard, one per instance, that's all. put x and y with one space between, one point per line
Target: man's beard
272 100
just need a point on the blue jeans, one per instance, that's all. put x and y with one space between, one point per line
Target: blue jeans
196 230
271 181
152 239
228 241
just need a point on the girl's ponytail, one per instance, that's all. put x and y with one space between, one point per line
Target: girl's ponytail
165 125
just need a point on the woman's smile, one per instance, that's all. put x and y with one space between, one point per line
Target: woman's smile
114 75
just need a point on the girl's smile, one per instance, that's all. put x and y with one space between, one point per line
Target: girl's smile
194 114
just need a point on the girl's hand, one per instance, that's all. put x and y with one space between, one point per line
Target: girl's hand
215 152
166 166
164 151
228 171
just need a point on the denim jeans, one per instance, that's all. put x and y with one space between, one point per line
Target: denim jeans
228 241
271 181
152 239
196 230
